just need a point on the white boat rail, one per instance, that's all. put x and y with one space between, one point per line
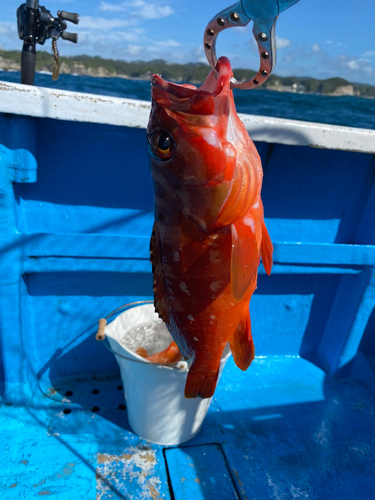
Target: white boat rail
76 106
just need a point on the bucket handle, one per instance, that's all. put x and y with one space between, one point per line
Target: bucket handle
101 337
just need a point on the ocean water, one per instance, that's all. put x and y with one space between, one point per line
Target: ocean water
344 110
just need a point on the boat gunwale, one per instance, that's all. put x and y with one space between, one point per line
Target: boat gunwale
41 102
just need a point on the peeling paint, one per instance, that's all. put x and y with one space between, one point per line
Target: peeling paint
154 493
135 468
103 458
43 481
67 470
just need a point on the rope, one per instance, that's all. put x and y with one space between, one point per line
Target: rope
55 71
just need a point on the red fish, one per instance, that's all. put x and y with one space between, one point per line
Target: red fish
209 230
170 355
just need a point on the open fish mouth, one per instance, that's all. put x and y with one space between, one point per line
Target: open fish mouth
215 84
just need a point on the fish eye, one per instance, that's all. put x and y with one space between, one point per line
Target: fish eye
162 144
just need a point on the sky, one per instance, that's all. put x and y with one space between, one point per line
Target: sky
317 38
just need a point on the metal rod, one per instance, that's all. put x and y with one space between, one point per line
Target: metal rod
32 4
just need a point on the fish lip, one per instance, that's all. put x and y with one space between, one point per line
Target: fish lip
172 88
213 86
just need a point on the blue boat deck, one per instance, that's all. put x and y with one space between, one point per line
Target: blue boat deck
281 430
75 220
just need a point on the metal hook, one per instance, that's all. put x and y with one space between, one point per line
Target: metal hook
264 14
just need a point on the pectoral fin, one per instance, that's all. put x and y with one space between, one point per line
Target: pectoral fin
266 250
245 257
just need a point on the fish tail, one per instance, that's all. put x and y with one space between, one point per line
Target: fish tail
266 250
242 345
202 384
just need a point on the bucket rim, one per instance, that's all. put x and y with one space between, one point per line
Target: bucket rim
180 366
129 306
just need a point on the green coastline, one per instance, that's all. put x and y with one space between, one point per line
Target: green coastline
194 73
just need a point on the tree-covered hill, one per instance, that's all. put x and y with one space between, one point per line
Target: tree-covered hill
189 73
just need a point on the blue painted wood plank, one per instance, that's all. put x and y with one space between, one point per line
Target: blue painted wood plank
311 269
314 195
199 473
353 305
324 253
77 454
38 462
366 228
20 132
16 380
287 431
89 264
290 431
21 164
79 265
137 246
86 245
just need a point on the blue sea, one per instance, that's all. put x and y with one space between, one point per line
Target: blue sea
344 110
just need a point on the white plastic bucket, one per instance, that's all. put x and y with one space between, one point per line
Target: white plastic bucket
157 408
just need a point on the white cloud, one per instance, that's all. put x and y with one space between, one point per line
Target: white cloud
134 50
352 64
198 51
113 37
139 8
369 53
9 34
197 55
167 43
128 35
282 43
6 28
338 44
324 65
297 55
100 24
111 7
316 48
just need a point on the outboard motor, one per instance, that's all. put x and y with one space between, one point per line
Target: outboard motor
35 25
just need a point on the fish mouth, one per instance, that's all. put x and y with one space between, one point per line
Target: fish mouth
216 83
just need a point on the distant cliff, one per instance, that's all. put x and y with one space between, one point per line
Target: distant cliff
194 73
